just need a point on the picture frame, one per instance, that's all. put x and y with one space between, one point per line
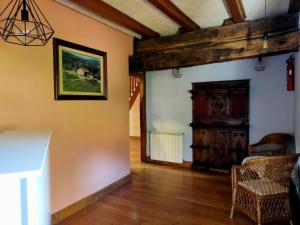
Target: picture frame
80 72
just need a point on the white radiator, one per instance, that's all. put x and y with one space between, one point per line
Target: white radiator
166 147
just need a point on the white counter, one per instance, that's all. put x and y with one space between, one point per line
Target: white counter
24 179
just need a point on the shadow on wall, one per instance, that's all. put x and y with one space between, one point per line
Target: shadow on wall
6 128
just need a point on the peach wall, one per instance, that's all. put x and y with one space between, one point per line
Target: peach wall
89 147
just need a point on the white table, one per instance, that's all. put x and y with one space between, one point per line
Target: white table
24 179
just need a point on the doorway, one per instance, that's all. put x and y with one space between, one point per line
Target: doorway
134 118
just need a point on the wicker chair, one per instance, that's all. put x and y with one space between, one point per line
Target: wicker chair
271 144
260 188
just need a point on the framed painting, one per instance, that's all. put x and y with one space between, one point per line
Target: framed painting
79 72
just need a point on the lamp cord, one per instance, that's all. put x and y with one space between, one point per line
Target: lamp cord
24 4
265 15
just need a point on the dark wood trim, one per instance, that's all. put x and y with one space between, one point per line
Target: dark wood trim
105 10
135 137
217 44
139 75
236 9
221 84
172 11
143 118
218 126
77 206
185 164
294 6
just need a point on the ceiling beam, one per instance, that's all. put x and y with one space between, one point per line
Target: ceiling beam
172 11
217 44
104 10
294 6
227 22
236 10
218 35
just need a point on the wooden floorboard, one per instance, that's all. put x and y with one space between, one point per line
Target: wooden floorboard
162 195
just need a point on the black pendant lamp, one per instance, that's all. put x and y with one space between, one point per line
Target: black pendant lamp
260 65
23 23
265 44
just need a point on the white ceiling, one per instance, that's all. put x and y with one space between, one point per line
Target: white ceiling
147 14
255 9
206 13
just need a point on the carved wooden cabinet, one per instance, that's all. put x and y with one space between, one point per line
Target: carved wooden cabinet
220 123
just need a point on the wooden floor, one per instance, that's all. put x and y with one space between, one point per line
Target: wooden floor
160 195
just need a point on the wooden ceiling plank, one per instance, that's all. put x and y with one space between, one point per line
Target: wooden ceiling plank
236 10
294 6
105 10
172 11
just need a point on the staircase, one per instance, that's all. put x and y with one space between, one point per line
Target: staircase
134 89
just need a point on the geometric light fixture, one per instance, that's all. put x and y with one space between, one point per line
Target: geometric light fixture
260 65
177 73
23 23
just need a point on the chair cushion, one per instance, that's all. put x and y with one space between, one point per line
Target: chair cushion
263 187
269 149
246 159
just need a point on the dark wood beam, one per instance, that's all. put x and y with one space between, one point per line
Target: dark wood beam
236 10
217 44
227 22
104 10
172 11
294 6
143 117
218 35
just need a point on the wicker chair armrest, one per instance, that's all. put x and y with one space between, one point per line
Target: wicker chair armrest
235 171
235 167
247 171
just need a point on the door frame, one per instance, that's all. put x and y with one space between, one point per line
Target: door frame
143 118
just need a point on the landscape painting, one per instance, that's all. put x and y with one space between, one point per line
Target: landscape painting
80 72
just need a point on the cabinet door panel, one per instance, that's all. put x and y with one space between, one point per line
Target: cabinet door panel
201 147
239 146
220 152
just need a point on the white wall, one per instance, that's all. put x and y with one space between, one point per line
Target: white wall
169 106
